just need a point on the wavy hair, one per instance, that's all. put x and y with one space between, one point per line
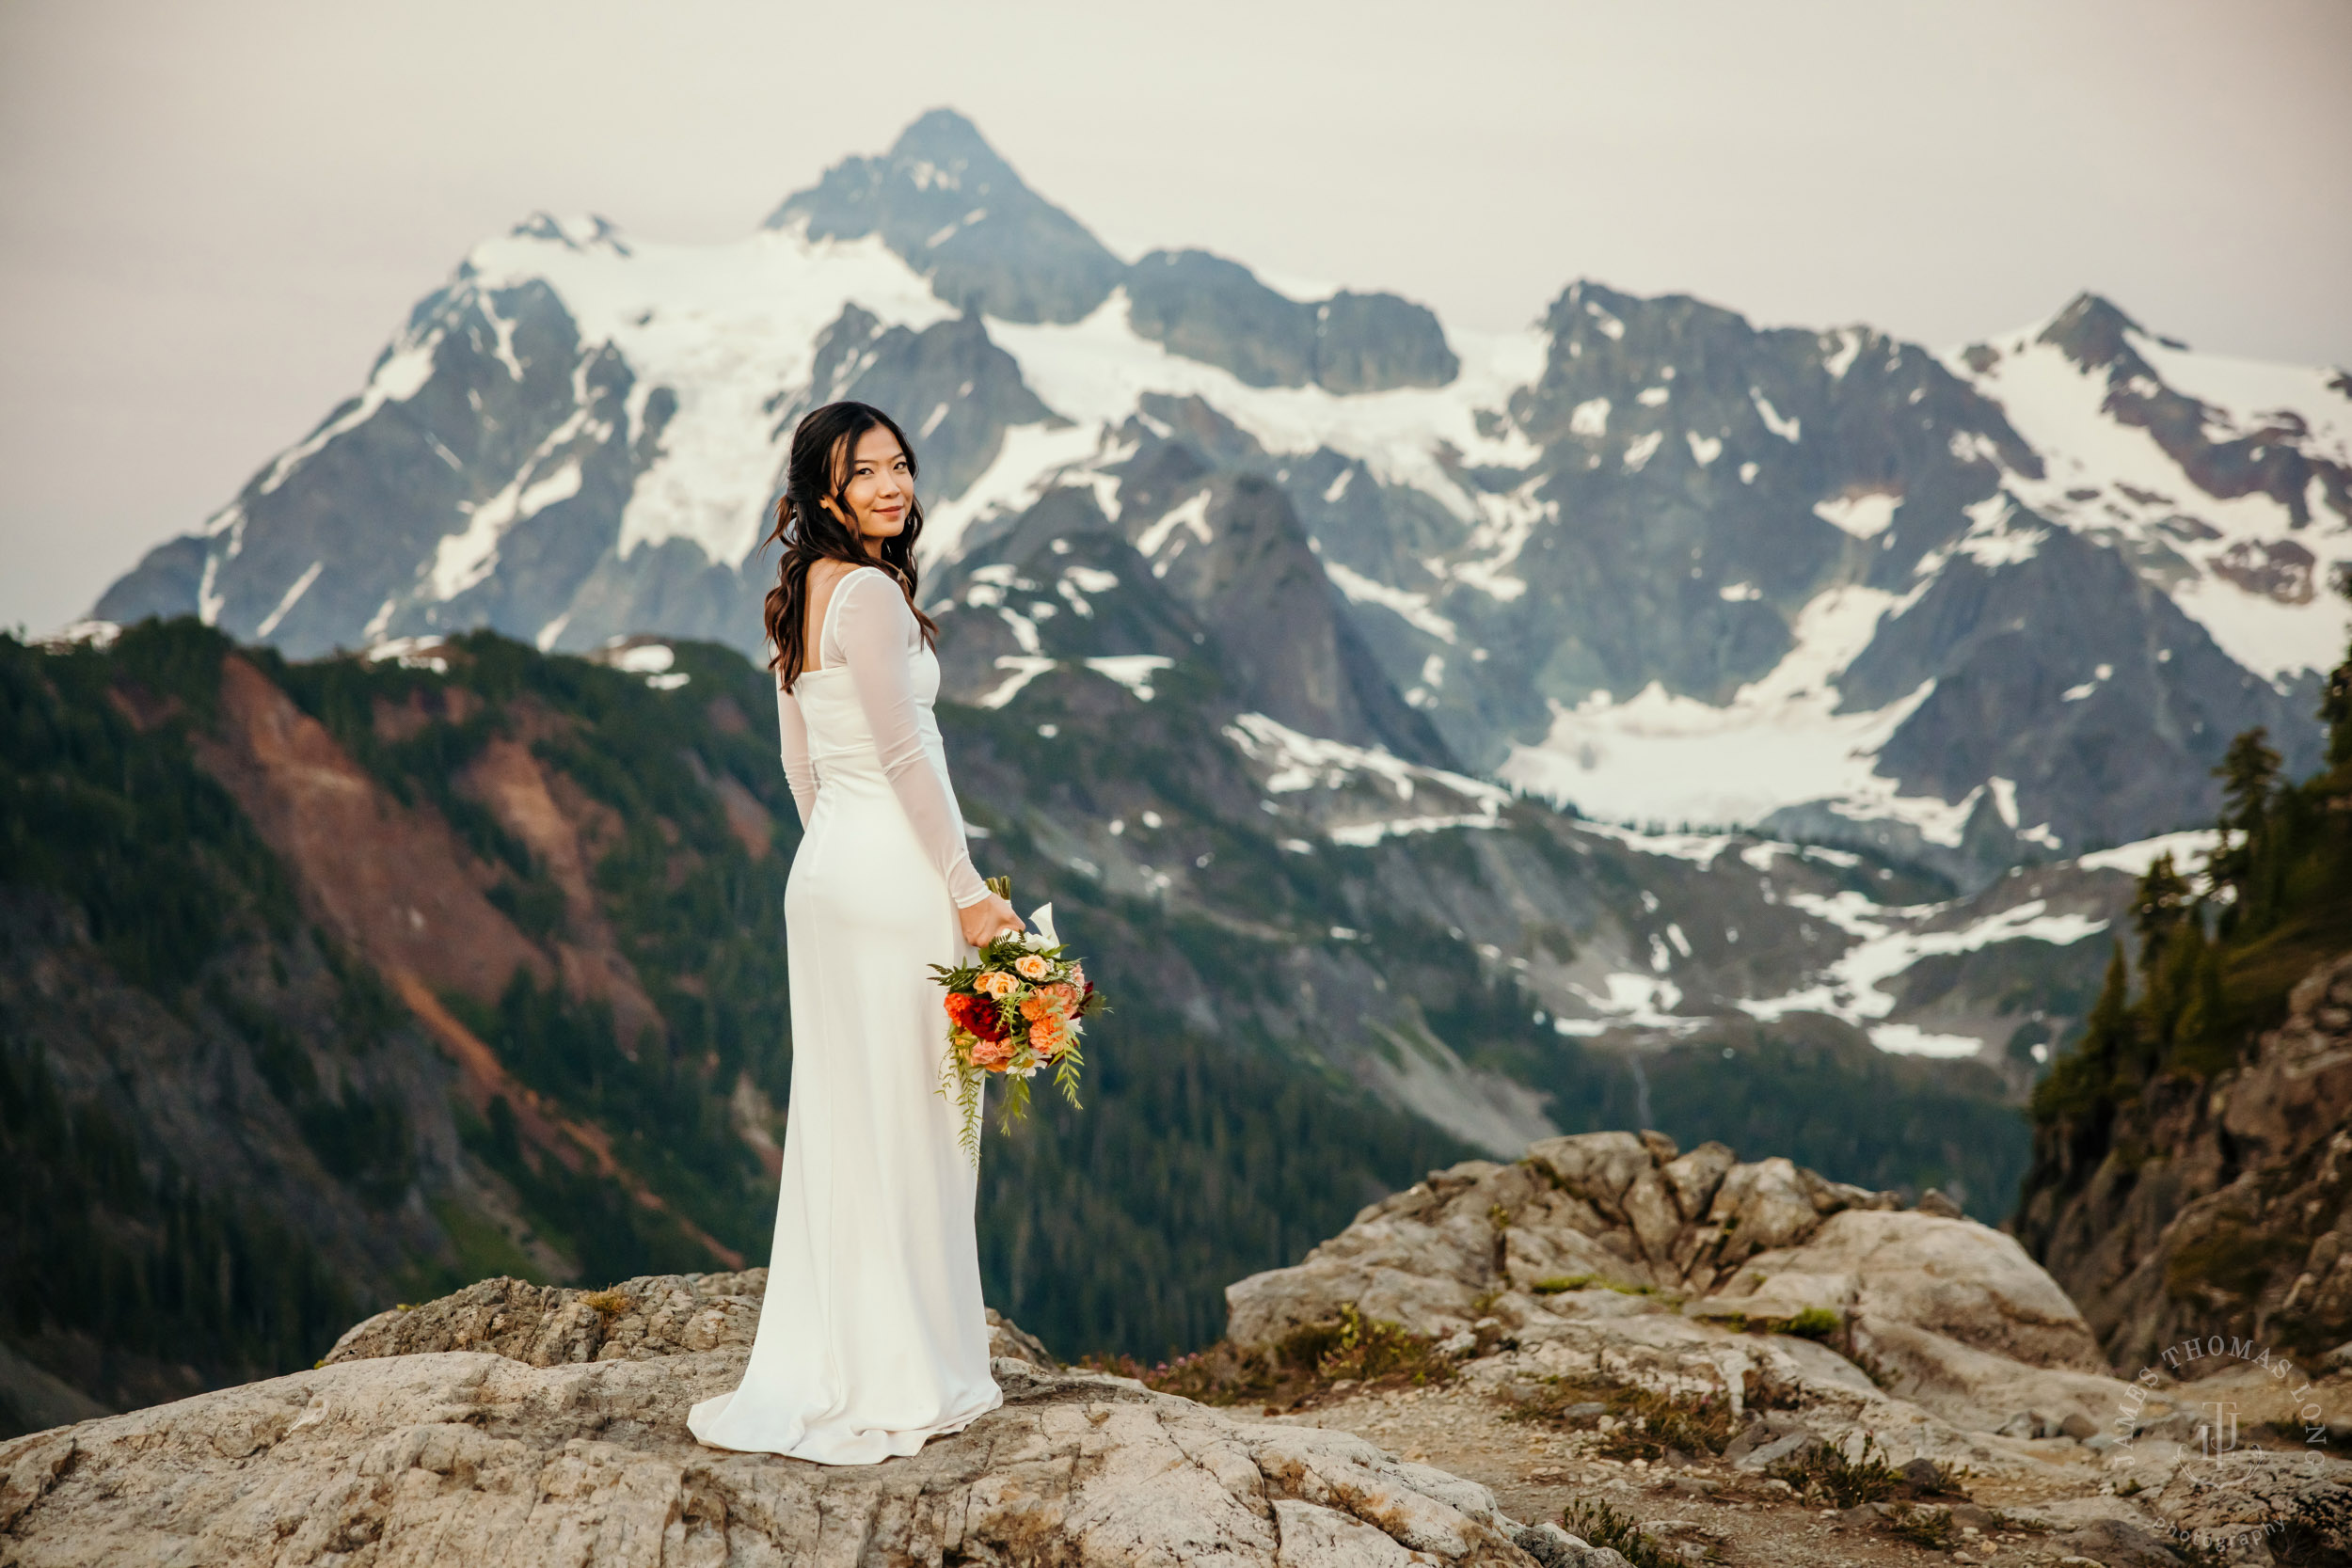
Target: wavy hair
815 471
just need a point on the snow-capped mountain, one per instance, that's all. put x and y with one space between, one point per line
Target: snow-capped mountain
2006 601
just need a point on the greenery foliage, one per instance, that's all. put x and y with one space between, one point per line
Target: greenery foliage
1595 1522
1311 1362
105 1242
2215 964
1825 1472
111 810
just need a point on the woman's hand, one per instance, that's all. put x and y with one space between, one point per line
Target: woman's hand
989 919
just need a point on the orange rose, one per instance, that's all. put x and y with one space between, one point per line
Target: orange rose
1033 966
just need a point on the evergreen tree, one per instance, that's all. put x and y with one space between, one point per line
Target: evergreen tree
2249 781
2106 1030
2162 903
2335 704
2249 790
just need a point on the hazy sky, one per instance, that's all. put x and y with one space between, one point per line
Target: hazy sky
212 214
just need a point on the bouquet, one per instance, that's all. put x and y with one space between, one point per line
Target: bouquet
1016 1010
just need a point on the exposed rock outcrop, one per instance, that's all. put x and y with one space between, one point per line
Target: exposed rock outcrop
637 1320
1948 1314
521 1425
2221 1206
515 1423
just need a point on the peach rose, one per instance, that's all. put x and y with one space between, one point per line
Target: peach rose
992 1055
997 984
1066 995
1033 966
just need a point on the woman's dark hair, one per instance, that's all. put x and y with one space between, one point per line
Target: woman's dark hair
816 471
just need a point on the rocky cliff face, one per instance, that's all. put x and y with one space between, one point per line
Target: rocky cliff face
2215 1207
2002 603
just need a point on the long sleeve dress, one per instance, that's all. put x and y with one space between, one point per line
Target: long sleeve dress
873 1338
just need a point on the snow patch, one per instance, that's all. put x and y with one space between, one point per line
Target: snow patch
1412 608
1132 671
1024 669
1889 941
292 596
1788 430
1865 516
2188 849
1778 742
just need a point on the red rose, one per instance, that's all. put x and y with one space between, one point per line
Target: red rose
975 1015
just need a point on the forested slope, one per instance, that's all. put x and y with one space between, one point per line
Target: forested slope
2190 1171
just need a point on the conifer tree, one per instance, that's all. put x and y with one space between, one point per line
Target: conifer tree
2249 787
2249 781
2335 703
2161 905
2106 1030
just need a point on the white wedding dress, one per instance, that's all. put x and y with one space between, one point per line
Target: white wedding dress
873 1338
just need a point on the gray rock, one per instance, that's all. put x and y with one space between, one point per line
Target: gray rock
466 1455
1923 1473
1934 1202
2119 1543
1953 1315
1755 1435
1209 308
641 1319
950 380
1771 1454
2305 1493
1550 1545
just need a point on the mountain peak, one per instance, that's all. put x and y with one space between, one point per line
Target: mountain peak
944 137
2092 331
956 213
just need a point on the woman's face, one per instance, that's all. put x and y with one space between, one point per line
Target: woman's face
880 488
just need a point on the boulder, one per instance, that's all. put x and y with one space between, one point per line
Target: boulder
1946 1314
2298 1499
575 1452
655 1315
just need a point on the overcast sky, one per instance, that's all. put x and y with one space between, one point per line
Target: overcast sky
212 213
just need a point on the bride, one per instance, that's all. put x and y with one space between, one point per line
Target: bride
873 1338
